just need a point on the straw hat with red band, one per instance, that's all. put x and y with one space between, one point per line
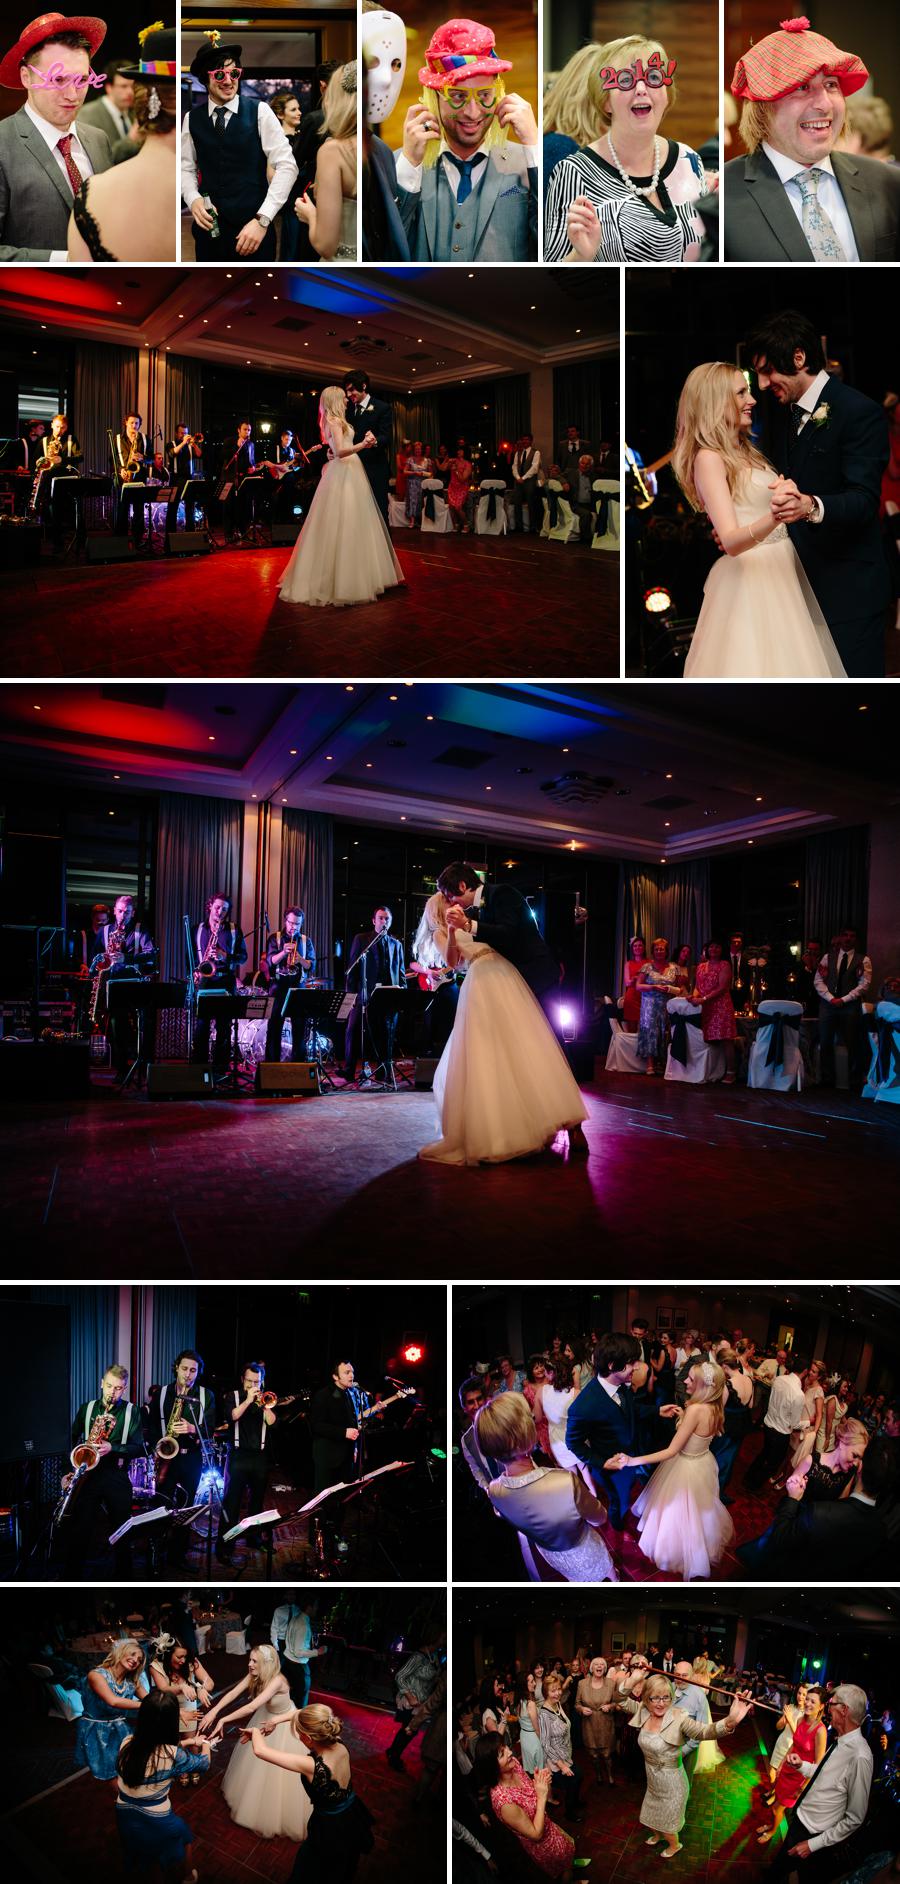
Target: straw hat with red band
461 49
48 26
783 60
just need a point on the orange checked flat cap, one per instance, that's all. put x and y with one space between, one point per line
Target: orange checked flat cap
786 59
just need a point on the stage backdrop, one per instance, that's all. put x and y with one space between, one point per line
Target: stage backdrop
93 1335
106 387
673 902
198 853
307 875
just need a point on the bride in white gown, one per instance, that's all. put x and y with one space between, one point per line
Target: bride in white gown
344 553
683 1525
760 619
265 1798
503 1087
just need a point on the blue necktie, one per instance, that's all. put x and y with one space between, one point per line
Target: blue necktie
465 166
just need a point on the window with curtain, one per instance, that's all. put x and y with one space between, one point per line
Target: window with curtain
106 380
836 883
182 394
512 407
673 902
307 873
198 852
93 1331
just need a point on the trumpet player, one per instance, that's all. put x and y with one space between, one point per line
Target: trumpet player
111 1425
290 960
131 453
184 461
182 1410
250 1413
220 952
122 947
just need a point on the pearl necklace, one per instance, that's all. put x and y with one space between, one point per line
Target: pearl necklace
637 189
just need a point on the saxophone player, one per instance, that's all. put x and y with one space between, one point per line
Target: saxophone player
290 960
184 1410
220 951
112 1425
249 1419
131 451
123 948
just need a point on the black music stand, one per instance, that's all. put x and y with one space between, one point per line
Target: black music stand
264 1522
125 992
145 495
220 1005
258 480
195 496
388 1003
348 1492
304 1006
157 1524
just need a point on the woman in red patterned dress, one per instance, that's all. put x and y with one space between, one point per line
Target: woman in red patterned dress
808 1744
631 1006
713 994
519 1800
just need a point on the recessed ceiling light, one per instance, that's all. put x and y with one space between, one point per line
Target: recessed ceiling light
211 737
293 752
489 788
329 755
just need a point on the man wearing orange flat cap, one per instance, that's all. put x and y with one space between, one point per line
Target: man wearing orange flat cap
465 191
44 154
796 196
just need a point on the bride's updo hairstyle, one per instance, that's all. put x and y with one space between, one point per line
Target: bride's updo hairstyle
267 1667
708 419
318 1723
710 1389
505 1427
333 405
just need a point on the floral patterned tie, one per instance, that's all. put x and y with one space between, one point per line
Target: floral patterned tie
818 227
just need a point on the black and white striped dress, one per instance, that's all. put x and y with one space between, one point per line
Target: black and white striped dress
631 229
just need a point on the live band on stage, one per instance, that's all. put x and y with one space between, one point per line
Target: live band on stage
158 491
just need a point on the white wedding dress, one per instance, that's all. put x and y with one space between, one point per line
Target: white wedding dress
268 1799
683 1525
503 1087
343 554
760 619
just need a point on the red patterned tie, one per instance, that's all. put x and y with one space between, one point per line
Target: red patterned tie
64 146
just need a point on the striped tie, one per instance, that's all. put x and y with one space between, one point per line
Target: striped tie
818 227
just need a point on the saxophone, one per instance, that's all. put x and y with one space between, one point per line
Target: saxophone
84 1457
209 963
112 955
168 1447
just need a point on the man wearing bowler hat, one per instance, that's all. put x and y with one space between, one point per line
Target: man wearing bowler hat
44 154
228 144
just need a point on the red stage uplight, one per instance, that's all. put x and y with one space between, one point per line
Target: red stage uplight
413 1353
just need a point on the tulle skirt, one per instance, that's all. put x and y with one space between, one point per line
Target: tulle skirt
343 554
267 1799
503 1087
684 1527
760 620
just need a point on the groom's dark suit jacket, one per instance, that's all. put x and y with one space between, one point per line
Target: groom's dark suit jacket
596 1428
507 925
376 462
760 225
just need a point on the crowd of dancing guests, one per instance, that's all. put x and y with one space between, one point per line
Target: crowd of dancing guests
597 1436
516 467
538 1744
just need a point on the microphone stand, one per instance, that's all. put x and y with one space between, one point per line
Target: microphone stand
363 998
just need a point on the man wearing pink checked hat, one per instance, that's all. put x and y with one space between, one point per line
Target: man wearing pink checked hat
465 191
796 196
44 155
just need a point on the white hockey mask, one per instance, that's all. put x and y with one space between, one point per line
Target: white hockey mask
384 56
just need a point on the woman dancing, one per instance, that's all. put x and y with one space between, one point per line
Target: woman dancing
557 1518
790 1714
808 1744
683 1525
148 1761
340 1828
663 1729
556 1739
519 1800
260 1796
174 1671
112 1694
832 1474
343 553
525 1702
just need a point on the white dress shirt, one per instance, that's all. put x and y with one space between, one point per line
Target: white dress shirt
51 135
409 176
836 1801
291 1625
532 472
852 994
829 195
786 1411
274 143
609 1386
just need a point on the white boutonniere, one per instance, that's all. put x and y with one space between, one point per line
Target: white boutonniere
821 415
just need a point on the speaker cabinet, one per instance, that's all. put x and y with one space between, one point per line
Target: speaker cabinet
287 532
423 1075
287 1076
35 1424
108 549
187 543
580 1055
171 1080
45 1069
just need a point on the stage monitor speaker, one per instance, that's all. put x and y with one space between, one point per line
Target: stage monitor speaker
108 549
36 1424
580 1055
45 1069
187 543
287 1076
287 532
423 1075
33 881
169 1079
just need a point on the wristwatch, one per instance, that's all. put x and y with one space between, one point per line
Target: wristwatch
264 221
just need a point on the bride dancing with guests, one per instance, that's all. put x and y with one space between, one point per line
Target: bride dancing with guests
260 1796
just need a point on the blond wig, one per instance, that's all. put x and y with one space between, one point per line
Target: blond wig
576 104
708 420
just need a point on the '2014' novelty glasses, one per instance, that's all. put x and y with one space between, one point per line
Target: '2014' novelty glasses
653 74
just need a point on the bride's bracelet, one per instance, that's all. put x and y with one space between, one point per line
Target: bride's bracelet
754 539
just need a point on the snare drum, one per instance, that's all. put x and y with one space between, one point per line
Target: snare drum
252 1039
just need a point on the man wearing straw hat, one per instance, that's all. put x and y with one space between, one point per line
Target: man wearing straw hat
44 155
796 197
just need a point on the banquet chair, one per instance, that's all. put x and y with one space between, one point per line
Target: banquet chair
704 1061
62 1703
490 510
775 1058
608 487
236 1642
883 1079
566 527
439 521
623 1056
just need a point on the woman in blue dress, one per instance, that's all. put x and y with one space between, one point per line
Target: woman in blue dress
149 1760
340 1829
112 1695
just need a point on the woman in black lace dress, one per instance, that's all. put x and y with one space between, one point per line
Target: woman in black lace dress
340 1827
832 1474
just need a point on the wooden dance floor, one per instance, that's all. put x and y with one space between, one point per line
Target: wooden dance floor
504 606
60 1824
713 1175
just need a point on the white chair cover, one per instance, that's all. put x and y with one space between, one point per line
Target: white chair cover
883 1081
441 523
610 541
787 1075
705 1061
622 1055
565 530
397 517
485 526
236 1642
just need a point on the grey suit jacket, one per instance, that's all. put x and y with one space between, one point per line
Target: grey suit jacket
760 225
35 200
506 224
96 114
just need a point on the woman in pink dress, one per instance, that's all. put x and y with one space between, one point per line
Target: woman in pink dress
713 993
458 490
631 1006
519 1800
536 1373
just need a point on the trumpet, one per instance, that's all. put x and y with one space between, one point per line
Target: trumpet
197 438
267 1399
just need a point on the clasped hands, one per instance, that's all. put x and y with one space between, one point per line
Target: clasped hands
457 917
789 505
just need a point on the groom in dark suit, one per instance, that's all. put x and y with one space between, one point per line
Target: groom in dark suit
604 1419
366 414
831 445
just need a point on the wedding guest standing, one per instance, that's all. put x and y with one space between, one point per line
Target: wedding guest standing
631 1003
330 214
125 215
537 1374
657 983
459 489
684 962
418 466
663 1730
525 1701
557 1518
44 155
842 979
286 106
231 143
807 1744
713 993
556 1740
593 1701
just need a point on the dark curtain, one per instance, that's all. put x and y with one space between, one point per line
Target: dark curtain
198 853
673 902
182 394
836 884
512 408
106 381
93 1331
417 418
174 1328
578 400
307 874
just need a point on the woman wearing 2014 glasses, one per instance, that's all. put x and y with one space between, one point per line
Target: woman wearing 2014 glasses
628 194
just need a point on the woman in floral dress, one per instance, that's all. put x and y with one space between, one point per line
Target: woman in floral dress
713 994
658 984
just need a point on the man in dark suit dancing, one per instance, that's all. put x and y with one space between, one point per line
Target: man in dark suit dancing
795 197
45 151
604 1419
366 414
830 444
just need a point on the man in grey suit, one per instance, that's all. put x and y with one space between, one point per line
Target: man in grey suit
43 157
794 197
477 201
111 111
